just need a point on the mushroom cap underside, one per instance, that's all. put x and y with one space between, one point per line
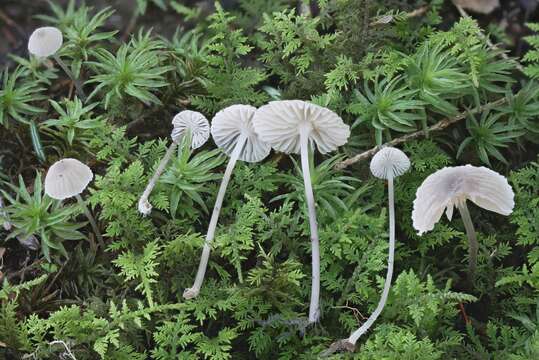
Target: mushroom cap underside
229 124
67 178
281 123
450 186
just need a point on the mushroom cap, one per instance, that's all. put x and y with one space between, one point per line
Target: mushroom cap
194 121
280 122
227 126
389 162
450 186
67 178
45 41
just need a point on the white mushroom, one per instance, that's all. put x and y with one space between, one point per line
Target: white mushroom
388 163
45 42
191 125
232 130
68 178
291 126
451 187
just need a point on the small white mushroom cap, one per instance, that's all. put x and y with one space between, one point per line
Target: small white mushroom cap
67 178
280 122
451 186
231 122
196 123
45 41
389 162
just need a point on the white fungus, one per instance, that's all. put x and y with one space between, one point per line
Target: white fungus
232 131
188 123
292 126
45 41
193 123
450 187
388 163
280 124
67 178
233 123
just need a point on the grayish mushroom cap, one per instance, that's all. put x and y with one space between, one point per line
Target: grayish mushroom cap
193 121
280 123
67 178
45 41
389 162
451 186
231 122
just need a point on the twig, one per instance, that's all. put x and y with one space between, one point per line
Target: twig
355 311
463 13
463 311
441 125
386 19
67 352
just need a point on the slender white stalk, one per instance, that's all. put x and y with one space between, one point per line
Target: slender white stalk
314 306
91 220
391 258
472 237
193 291
76 81
144 205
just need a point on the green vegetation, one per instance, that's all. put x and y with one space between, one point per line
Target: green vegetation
386 73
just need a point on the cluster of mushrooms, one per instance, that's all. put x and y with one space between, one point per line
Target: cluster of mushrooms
248 134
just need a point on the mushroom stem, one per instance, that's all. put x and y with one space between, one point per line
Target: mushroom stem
193 291
36 141
390 261
91 220
314 307
76 81
143 201
473 245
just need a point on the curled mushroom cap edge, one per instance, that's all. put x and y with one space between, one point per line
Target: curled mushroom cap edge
449 186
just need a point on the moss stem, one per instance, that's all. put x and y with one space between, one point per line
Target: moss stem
91 219
76 81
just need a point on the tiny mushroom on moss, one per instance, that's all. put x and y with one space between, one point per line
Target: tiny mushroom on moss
189 125
232 131
46 41
68 178
388 163
450 187
295 126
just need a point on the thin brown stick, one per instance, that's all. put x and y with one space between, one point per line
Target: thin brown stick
441 125
463 312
